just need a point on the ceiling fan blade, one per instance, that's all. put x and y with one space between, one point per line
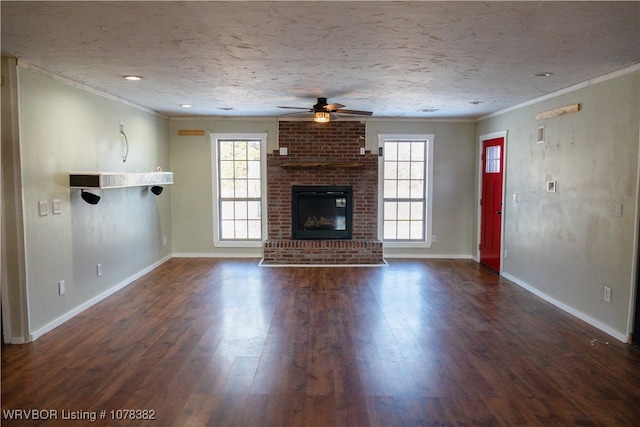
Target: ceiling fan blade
298 113
296 108
333 107
354 112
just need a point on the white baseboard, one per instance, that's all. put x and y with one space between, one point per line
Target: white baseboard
620 336
218 255
60 320
427 256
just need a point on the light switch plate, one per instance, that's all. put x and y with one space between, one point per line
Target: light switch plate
43 207
56 207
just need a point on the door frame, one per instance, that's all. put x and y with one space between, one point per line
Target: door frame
500 134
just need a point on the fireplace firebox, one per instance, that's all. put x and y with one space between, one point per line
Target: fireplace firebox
321 212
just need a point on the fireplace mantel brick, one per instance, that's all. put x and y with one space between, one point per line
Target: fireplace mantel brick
334 142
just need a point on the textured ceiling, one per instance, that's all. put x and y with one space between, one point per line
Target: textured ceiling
393 58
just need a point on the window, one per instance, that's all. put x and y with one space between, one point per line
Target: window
238 190
406 167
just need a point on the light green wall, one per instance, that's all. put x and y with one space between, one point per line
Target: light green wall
566 246
454 182
64 128
192 202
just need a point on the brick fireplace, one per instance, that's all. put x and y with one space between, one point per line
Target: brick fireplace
320 154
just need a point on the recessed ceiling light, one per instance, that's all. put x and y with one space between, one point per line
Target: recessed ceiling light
186 105
133 78
429 110
225 108
545 74
476 102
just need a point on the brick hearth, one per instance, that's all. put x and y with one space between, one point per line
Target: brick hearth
322 154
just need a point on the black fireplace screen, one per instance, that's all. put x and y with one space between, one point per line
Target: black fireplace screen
321 212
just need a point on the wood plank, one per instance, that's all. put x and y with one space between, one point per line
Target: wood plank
190 132
420 342
573 108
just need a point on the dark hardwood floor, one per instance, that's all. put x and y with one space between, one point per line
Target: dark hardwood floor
206 342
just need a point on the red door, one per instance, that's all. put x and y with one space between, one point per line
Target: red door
491 202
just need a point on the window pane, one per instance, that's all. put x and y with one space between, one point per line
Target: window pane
253 210
417 151
226 188
226 229
240 170
241 210
390 210
226 150
404 211
390 170
240 228
253 150
404 189
416 211
240 150
253 188
390 151
241 188
416 230
417 170
254 228
404 170
403 230
253 169
226 169
389 231
417 190
390 189
226 210
492 159
404 151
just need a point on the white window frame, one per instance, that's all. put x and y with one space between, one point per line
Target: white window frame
240 243
428 139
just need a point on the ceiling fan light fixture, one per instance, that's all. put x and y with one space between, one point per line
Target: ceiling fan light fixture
321 116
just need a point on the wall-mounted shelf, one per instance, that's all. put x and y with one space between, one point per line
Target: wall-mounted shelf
105 180
317 165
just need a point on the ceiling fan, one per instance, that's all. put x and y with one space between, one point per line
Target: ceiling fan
323 112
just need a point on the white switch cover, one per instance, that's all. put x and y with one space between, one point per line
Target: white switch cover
61 289
283 151
56 207
618 210
43 208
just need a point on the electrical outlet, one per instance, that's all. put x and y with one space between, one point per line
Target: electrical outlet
99 270
284 151
607 294
434 238
61 288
